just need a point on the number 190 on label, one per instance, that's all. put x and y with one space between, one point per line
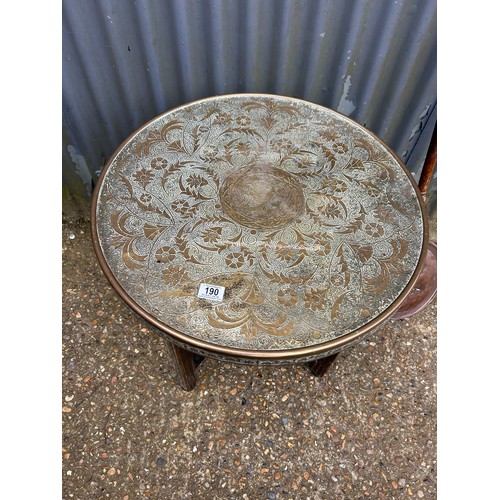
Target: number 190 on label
211 292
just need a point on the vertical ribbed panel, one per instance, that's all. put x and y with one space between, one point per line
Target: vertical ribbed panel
125 62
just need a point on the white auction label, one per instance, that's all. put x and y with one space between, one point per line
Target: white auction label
211 292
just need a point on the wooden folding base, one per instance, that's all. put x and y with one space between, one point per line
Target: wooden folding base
185 363
184 366
320 366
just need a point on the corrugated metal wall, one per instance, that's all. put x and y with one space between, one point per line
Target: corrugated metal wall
126 61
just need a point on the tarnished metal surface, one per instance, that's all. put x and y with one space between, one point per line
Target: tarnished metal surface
126 62
311 224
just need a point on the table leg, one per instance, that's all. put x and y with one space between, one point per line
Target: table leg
184 364
320 366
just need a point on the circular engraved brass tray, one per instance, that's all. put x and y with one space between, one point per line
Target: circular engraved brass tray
311 224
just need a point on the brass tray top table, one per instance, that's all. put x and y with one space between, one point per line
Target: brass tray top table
257 228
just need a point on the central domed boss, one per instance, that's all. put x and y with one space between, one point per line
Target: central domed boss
262 197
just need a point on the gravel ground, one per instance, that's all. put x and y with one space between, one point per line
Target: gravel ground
365 429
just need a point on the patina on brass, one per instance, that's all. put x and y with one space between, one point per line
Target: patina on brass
262 197
313 226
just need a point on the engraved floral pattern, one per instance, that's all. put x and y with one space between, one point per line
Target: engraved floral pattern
315 298
143 177
243 148
322 247
212 234
146 198
181 206
287 297
244 121
281 144
340 147
159 163
196 181
173 275
375 230
335 185
165 254
305 162
284 251
235 260
210 151
287 205
332 210
384 214
222 119
337 280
